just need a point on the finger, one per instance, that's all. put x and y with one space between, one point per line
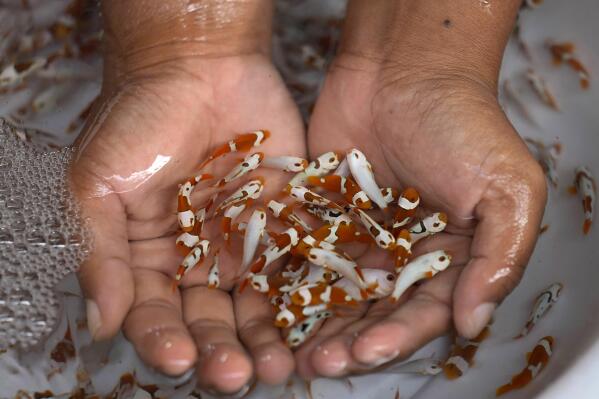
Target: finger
332 357
223 364
158 254
273 361
105 276
304 365
458 246
155 324
503 242
423 317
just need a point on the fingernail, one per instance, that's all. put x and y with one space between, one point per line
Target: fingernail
236 395
94 320
479 318
383 359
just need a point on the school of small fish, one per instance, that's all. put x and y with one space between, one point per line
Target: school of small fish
339 192
46 63
319 277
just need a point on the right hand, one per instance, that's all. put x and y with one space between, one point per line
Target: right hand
148 132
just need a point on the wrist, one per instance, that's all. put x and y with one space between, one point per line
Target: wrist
141 34
449 39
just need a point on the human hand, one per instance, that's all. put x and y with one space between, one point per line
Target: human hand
431 122
158 117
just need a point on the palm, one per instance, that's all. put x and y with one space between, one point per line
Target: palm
153 138
454 145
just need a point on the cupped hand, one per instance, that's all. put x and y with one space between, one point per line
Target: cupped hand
148 133
445 135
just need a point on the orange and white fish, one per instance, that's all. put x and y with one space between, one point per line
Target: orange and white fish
48 99
309 197
310 295
254 230
424 266
306 328
544 302
248 164
286 215
241 143
564 53
344 186
307 276
195 257
289 314
408 204
188 239
541 89
383 238
322 165
185 214
15 73
428 226
328 215
282 246
461 357
342 169
214 273
390 194
361 170
587 189
536 361
285 163
383 280
251 190
546 156
340 264
229 217
340 233
403 249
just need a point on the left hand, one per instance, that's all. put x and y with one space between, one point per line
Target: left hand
446 136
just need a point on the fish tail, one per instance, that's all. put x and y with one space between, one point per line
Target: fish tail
586 227
503 389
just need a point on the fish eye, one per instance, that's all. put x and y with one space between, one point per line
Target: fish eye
442 259
356 155
436 225
332 160
312 256
390 277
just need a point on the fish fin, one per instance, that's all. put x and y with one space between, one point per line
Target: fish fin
503 389
528 355
429 274
174 285
572 190
364 294
584 84
372 287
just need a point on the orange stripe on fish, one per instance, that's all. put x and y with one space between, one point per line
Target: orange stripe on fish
461 357
536 361
241 143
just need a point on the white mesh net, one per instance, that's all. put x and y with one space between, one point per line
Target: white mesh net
42 237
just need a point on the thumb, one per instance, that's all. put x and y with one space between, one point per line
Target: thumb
105 276
509 217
